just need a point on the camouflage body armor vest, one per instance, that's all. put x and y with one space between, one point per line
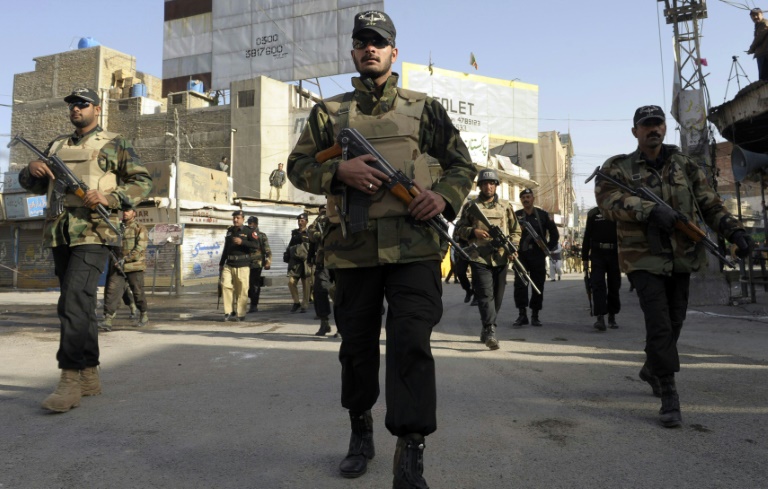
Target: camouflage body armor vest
485 252
83 160
394 134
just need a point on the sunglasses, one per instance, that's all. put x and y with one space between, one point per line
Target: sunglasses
377 42
79 105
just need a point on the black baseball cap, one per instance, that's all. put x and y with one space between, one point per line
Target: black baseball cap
85 94
756 11
647 112
303 215
526 191
253 219
376 21
238 213
127 205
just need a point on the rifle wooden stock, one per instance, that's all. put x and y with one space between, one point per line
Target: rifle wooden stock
691 230
329 153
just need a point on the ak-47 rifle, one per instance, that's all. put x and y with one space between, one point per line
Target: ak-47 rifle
349 144
588 285
695 233
66 181
535 236
500 240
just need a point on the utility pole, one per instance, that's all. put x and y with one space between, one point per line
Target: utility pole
177 265
690 105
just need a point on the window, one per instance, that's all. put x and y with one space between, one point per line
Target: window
245 98
176 99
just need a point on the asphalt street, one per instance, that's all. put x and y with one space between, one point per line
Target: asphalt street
192 402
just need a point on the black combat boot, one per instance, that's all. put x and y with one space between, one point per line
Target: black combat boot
490 338
522 319
535 318
484 334
653 381
409 463
469 295
669 414
325 327
600 323
360 445
612 321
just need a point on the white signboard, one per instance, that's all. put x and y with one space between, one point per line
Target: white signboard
502 109
478 144
285 40
167 233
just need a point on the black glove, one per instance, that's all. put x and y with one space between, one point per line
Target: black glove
664 217
744 243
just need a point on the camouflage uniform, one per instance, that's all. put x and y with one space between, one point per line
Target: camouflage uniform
78 238
655 261
261 257
299 269
133 251
393 256
489 264
323 276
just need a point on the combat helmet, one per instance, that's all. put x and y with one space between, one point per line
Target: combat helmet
488 174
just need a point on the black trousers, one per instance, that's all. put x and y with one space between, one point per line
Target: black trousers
413 292
664 301
536 264
254 286
490 284
78 269
460 270
116 287
320 287
605 282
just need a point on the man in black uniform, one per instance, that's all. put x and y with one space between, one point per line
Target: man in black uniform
599 247
489 263
261 258
234 265
533 257
299 270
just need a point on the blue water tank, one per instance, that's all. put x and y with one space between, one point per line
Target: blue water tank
195 86
139 90
87 42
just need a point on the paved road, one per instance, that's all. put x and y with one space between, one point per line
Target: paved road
191 402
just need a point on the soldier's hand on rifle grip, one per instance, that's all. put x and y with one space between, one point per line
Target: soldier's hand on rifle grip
357 174
481 234
426 205
743 243
94 197
39 169
665 217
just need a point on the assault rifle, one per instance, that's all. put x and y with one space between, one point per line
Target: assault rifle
66 181
695 233
535 236
349 144
500 240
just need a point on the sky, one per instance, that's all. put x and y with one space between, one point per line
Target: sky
594 62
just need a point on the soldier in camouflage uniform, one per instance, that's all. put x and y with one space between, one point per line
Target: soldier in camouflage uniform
489 264
393 256
261 258
109 165
323 276
299 268
132 263
658 259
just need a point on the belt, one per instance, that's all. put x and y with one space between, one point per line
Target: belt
606 246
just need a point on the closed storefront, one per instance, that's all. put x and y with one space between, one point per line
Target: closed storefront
35 261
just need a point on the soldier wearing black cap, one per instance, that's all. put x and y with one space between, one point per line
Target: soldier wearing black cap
299 270
394 255
261 258
235 266
533 257
656 257
132 262
108 164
